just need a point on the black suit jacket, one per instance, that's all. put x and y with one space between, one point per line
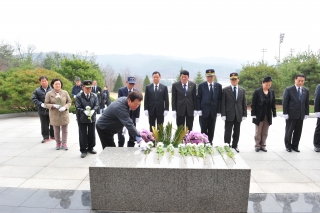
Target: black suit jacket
230 107
181 102
257 106
123 92
205 102
156 102
317 99
291 104
96 90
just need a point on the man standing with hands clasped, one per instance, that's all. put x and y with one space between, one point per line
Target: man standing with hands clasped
184 103
87 106
233 110
208 104
156 101
295 103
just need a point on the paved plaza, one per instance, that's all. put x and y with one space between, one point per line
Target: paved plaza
31 171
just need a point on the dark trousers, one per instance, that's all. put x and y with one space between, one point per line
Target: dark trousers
106 138
46 128
87 139
293 133
153 118
185 120
207 126
121 139
316 137
236 132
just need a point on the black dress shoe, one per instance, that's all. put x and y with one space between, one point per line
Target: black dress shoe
236 148
288 149
93 152
83 155
257 149
296 150
264 149
316 149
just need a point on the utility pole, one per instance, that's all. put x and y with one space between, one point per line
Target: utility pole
263 51
280 41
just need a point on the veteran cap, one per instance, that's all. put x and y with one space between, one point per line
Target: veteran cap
210 72
234 75
87 83
131 80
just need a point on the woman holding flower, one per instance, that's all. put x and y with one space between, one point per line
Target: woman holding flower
58 102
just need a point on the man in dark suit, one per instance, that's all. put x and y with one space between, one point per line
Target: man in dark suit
184 103
134 115
233 110
156 101
97 90
295 103
316 137
208 103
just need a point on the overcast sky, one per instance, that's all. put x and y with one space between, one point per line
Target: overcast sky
237 29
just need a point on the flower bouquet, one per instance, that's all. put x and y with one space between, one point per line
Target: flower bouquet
160 150
192 140
58 98
147 137
183 151
146 152
229 152
209 149
170 150
88 109
221 151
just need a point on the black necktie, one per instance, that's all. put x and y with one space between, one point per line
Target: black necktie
88 96
129 91
235 92
211 91
185 89
156 89
299 93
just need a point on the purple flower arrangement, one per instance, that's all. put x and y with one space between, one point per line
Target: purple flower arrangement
195 138
146 135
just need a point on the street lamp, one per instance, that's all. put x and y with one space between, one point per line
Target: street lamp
281 40
263 51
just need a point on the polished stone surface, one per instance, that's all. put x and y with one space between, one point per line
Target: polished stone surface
18 200
122 178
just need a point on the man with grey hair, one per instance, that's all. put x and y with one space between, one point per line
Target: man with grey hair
76 89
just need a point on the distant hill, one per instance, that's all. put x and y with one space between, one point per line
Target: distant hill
168 66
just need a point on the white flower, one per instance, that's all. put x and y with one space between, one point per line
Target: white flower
170 145
58 95
88 107
159 144
200 145
208 145
181 145
192 144
150 144
188 144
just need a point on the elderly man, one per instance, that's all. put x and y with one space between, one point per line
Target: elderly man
208 103
76 89
86 118
117 116
38 98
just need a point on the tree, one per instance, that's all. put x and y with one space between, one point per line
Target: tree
16 88
6 56
109 76
198 79
146 82
251 76
118 84
178 76
311 69
76 67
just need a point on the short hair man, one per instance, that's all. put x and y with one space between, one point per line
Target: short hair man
295 103
124 92
184 103
156 101
76 89
233 110
117 116
87 118
208 103
38 98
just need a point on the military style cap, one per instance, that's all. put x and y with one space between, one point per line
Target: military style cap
87 83
131 80
234 75
210 72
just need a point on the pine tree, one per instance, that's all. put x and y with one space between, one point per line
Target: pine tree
118 84
146 82
198 79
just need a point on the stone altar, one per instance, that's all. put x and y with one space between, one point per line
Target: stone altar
125 179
